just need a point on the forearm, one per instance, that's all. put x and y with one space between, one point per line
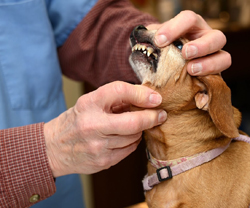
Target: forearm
25 171
97 51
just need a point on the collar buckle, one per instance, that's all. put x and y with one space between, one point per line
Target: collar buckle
169 171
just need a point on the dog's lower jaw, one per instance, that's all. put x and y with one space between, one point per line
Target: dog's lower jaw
144 68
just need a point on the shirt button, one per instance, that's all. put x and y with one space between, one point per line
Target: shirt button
34 198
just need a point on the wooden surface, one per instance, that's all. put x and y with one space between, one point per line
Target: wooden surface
141 205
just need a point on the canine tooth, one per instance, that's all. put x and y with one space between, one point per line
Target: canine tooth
150 50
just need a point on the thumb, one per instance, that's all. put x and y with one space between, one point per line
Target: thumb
116 93
130 123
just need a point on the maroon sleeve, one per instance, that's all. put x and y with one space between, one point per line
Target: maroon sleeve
97 51
25 175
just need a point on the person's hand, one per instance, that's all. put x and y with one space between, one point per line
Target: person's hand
99 131
205 43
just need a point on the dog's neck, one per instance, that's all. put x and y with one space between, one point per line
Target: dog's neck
175 138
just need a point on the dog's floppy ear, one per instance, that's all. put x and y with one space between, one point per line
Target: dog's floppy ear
214 96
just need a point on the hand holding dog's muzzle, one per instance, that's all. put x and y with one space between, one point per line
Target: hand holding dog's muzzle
99 131
205 43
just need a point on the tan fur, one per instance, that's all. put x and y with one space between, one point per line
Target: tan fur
200 118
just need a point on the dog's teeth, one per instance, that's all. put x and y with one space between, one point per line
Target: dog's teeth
146 50
150 50
134 48
155 55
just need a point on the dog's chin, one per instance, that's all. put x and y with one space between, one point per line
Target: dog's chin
140 65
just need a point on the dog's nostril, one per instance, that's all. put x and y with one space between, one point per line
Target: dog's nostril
140 27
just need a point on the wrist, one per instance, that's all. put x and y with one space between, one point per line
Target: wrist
50 150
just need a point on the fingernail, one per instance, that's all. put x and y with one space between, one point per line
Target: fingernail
196 68
162 116
191 51
160 40
155 98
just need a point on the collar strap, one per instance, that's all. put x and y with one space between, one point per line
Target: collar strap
163 163
166 169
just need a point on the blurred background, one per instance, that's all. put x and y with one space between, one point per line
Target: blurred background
120 186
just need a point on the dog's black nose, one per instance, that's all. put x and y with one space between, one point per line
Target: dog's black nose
135 33
140 27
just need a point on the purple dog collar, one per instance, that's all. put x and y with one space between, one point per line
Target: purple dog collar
166 169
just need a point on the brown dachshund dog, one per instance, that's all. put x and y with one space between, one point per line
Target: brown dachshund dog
201 118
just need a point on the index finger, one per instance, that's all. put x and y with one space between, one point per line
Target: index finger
185 23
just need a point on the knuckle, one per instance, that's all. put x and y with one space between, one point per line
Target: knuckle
119 87
190 16
80 103
228 59
95 148
96 95
83 102
103 162
221 36
187 13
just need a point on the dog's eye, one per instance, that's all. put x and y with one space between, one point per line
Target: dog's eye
178 44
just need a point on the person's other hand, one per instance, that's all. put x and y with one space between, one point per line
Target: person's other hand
205 43
99 131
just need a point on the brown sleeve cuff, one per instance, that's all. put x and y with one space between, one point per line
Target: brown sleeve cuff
97 51
25 176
